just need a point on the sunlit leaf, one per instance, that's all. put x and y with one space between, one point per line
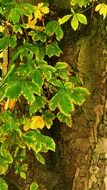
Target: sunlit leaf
3 184
102 8
34 186
74 22
37 122
81 18
64 19
53 49
40 158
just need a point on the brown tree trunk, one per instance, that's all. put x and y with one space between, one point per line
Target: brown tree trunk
80 161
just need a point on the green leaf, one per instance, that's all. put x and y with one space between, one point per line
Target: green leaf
56 82
47 70
13 90
38 35
55 100
5 153
65 119
49 143
74 22
3 184
8 41
65 104
37 105
59 33
24 167
81 18
48 118
64 19
78 95
3 165
36 76
40 52
53 49
27 93
15 14
18 28
80 3
40 158
61 65
1 11
53 27
23 175
34 186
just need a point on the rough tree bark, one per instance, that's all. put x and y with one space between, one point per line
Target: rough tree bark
80 160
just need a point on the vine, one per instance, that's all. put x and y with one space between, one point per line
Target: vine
33 89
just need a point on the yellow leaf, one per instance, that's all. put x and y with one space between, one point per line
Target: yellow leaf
40 5
38 14
12 103
26 127
31 22
45 10
1 54
6 104
102 8
40 10
37 122
39 28
1 28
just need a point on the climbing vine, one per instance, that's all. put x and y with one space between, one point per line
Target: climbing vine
34 89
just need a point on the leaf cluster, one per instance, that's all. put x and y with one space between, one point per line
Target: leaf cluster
35 90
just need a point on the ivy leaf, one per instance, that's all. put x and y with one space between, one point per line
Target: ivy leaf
56 82
64 19
65 104
8 41
74 22
80 2
34 186
59 32
81 18
38 35
37 105
61 65
53 27
47 70
5 153
13 90
27 93
15 14
78 95
53 49
48 118
49 143
102 8
3 184
36 77
55 100
23 175
40 158
37 122
3 166
65 119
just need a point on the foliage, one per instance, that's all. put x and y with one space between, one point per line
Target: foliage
35 90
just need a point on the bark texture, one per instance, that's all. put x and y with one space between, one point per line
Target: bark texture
80 160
